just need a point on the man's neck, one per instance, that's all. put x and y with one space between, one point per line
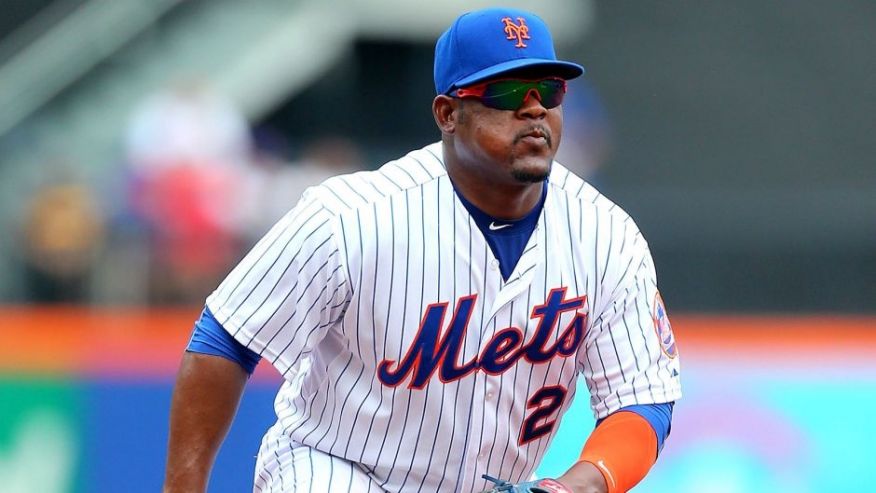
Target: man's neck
507 201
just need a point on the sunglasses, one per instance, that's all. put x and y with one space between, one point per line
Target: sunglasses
510 94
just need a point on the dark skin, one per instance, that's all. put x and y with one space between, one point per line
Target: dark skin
205 399
498 159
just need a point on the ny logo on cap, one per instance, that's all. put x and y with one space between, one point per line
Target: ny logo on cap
516 31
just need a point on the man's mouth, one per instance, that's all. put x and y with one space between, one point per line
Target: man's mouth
536 135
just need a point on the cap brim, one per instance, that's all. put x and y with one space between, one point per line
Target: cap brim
558 68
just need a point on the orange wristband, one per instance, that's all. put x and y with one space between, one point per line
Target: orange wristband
623 448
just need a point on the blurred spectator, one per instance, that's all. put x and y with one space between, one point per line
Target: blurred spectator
278 185
201 190
63 232
187 122
188 149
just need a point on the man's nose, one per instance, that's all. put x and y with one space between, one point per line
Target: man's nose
532 107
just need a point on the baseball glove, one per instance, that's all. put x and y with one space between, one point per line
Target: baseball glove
539 486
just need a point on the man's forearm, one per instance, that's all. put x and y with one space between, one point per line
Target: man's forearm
584 477
205 400
622 449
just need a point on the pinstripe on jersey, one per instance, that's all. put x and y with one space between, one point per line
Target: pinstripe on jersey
349 277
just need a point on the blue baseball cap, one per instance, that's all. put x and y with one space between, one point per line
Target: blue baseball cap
485 43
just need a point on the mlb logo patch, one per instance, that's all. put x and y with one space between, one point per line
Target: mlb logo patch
664 328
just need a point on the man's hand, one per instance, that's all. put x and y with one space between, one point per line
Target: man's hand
539 486
583 477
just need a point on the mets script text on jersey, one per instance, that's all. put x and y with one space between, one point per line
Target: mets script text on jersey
431 350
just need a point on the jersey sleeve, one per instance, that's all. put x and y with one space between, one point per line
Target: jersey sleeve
631 356
289 290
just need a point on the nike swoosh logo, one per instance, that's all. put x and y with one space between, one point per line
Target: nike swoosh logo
497 227
607 472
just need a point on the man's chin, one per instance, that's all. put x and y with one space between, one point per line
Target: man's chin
532 174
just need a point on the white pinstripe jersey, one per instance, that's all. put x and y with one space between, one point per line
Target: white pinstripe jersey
403 348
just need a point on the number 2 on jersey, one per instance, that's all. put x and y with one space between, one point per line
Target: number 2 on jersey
545 401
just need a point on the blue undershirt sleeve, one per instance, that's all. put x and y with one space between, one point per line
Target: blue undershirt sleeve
659 416
209 337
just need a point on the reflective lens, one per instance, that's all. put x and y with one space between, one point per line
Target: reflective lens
510 94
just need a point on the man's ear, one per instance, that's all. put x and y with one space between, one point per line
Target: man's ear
447 113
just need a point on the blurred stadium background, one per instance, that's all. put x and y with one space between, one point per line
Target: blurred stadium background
145 145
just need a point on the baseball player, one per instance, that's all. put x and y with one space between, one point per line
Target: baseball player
430 318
